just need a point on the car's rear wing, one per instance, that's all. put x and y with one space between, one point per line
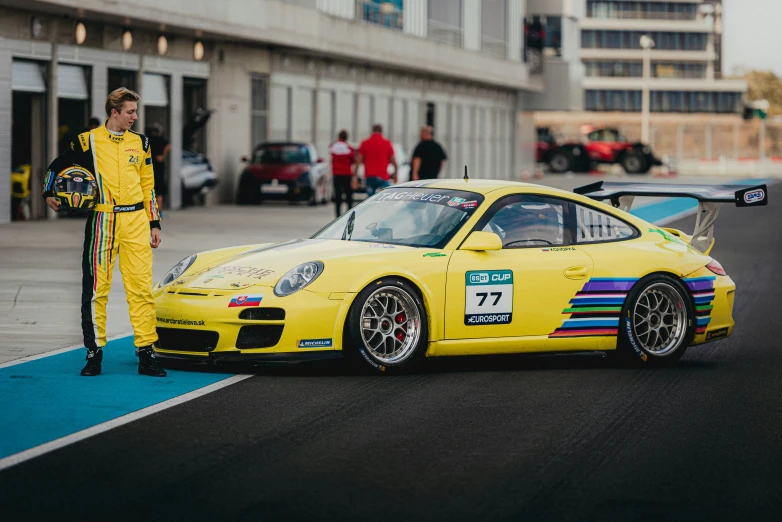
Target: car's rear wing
622 195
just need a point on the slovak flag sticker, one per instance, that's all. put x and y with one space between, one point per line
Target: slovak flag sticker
245 300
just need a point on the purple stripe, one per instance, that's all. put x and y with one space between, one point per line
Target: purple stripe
700 286
603 286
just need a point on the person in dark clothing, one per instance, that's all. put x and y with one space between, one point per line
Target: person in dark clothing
428 156
343 156
160 147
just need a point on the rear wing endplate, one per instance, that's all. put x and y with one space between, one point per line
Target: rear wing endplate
622 195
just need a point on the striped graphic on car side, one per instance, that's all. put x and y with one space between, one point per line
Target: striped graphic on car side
596 309
702 290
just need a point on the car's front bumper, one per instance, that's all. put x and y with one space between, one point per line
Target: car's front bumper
238 356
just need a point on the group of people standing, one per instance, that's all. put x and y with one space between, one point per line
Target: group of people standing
376 154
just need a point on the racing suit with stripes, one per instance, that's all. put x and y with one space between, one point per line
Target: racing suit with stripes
119 226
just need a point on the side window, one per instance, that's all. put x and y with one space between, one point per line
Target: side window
593 226
531 221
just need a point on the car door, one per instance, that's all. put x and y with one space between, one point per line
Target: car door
522 289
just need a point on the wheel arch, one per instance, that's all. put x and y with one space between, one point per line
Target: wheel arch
423 291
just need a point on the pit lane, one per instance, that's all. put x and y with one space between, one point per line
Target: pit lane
553 438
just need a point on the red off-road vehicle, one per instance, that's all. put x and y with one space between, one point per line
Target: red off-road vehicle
607 146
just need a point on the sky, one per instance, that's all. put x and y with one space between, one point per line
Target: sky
753 35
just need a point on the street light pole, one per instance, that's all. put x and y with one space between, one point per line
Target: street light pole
646 44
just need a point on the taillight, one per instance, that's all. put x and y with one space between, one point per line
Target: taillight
716 267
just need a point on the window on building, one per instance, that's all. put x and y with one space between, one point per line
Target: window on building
494 27
259 112
445 21
388 13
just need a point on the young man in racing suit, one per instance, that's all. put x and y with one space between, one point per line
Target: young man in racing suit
125 222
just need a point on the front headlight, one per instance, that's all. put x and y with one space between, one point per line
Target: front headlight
298 278
178 270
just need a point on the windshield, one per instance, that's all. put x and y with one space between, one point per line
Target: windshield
419 217
281 153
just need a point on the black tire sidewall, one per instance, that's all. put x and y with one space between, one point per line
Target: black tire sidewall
642 164
357 355
565 154
628 345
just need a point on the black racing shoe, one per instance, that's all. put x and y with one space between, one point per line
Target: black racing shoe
147 364
93 363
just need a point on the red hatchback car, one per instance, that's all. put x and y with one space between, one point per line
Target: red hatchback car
284 171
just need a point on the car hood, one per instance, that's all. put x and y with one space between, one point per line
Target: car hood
263 266
280 171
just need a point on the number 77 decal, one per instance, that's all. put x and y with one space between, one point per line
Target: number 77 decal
488 297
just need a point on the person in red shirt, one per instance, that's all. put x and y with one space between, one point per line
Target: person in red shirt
343 156
376 152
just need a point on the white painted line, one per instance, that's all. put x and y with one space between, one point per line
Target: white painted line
23 456
55 352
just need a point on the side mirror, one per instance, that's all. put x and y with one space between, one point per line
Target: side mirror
482 241
320 160
245 159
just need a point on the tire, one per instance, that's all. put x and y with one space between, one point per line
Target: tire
635 163
560 161
387 326
664 303
248 192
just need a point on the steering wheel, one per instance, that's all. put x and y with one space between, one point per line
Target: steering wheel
546 241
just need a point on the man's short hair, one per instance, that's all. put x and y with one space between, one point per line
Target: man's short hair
343 135
377 128
118 98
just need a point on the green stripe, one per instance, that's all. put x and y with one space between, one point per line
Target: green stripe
92 242
593 309
704 307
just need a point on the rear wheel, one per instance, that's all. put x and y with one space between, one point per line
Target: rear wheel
657 321
560 161
388 327
635 163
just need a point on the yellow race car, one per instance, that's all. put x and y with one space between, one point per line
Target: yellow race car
461 267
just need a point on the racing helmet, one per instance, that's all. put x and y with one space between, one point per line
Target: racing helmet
75 187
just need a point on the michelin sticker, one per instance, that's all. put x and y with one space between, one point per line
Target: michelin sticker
488 297
314 343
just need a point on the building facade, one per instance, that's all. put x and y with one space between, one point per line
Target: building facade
686 60
268 70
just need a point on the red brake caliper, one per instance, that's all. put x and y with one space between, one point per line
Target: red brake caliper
400 318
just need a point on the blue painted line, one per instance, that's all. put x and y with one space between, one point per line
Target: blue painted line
46 399
655 212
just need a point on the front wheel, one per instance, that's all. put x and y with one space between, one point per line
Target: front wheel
387 325
635 163
561 161
656 325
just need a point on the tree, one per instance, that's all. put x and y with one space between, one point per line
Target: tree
765 85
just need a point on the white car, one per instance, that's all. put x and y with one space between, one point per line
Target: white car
197 177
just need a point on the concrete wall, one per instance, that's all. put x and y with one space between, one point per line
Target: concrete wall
278 23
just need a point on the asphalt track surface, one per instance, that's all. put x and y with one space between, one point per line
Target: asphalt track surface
498 438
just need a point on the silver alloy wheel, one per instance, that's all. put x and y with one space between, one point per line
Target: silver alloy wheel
390 325
660 319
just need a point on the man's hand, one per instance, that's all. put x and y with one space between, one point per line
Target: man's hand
154 236
53 203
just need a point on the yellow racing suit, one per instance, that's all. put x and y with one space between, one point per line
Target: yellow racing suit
119 225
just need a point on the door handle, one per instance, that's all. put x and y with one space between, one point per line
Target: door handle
576 272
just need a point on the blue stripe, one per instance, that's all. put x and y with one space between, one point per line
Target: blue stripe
590 323
604 300
703 320
46 399
148 161
704 299
696 279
